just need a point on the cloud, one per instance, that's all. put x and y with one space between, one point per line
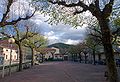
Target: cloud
54 33
60 33
69 41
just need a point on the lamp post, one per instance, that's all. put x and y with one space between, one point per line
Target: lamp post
11 40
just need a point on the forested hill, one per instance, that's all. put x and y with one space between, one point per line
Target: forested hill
60 45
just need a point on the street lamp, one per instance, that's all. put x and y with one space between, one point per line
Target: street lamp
10 40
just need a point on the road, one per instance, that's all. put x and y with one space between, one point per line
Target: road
59 72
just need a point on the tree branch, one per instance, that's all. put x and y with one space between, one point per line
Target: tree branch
13 22
60 2
5 34
78 12
25 37
108 9
17 32
7 11
97 36
96 30
97 3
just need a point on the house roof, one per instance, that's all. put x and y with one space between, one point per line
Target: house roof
6 44
46 49
49 49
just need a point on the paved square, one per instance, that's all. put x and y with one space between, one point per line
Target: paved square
59 72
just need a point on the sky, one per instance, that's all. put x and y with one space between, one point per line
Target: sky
54 33
59 33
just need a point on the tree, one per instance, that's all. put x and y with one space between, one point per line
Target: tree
85 50
9 11
44 50
92 44
73 52
116 31
19 37
102 14
93 39
53 52
79 49
33 43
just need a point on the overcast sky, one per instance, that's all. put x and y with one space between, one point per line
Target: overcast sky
60 32
55 33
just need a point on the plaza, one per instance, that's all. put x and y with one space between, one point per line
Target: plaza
59 72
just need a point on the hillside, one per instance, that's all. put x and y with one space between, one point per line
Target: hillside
60 45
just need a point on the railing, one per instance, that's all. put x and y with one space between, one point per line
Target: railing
14 67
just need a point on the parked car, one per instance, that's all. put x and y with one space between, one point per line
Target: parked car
101 62
117 62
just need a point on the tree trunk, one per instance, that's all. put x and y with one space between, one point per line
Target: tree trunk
52 56
99 57
80 59
72 57
32 61
20 57
108 50
42 58
94 57
85 58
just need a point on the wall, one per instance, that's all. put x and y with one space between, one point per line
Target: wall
7 51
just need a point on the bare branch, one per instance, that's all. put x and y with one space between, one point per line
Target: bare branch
108 9
96 30
97 36
5 34
80 3
97 3
17 32
7 11
15 21
25 37
78 12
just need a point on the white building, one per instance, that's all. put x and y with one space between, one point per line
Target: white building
50 53
6 49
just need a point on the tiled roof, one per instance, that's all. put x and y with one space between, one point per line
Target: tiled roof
6 44
49 49
45 49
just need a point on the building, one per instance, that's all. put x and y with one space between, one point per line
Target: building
6 48
48 54
57 54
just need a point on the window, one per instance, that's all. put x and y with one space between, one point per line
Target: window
14 57
6 56
16 51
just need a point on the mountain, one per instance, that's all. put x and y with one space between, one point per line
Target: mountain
60 45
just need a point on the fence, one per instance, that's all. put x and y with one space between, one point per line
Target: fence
14 68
